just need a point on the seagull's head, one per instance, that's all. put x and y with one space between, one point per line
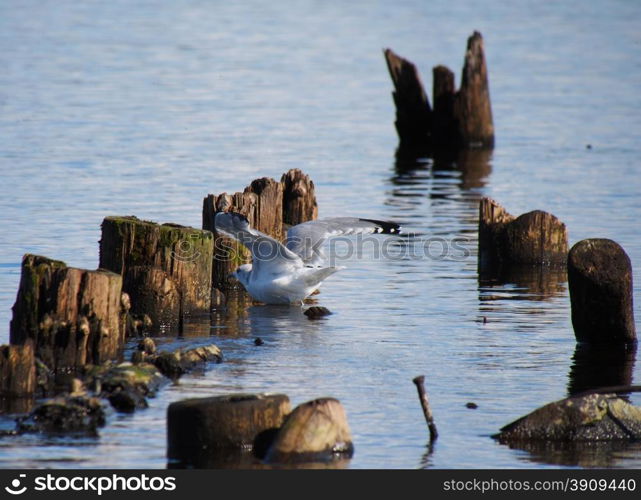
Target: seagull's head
242 274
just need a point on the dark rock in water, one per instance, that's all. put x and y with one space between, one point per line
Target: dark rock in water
147 345
143 378
317 312
128 401
258 341
77 414
174 364
593 417
471 406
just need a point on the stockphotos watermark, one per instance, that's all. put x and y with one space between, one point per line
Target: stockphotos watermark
345 248
97 484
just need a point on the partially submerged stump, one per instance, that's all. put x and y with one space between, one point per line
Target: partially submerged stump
536 237
592 417
200 428
268 206
166 268
17 370
73 316
460 119
314 431
600 283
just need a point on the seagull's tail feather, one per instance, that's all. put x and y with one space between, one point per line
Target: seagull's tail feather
317 276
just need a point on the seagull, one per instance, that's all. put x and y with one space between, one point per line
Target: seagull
290 272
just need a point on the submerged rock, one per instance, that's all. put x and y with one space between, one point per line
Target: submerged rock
317 312
126 385
176 363
71 414
592 417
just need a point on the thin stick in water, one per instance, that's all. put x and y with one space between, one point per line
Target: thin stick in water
425 404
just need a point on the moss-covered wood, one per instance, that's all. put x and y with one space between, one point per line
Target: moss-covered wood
166 268
73 316
536 237
592 417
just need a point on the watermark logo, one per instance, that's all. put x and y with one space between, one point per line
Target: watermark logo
186 249
15 488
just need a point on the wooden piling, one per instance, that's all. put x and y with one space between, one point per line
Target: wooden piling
268 205
314 431
600 283
201 427
166 268
71 315
536 237
460 119
17 370
472 108
413 112
299 198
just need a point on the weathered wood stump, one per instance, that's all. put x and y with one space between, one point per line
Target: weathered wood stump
592 417
73 316
17 370
472 108
166 268
460 119
600 283
314 431
299 198
413 111
533 238
267 204
202 427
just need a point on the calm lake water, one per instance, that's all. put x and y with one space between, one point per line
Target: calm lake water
118 108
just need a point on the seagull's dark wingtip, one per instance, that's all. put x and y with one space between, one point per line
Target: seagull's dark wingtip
385 227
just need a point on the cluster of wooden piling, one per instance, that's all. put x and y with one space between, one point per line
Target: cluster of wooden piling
459 119
269 205
599 276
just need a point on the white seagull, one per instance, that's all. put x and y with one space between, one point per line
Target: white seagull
288 273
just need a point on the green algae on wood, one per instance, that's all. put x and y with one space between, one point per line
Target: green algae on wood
73 316
166 268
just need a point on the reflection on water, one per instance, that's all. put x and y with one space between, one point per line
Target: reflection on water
582 454
595 366
521 282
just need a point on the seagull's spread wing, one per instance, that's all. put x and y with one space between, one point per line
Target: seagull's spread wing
306 239
268 254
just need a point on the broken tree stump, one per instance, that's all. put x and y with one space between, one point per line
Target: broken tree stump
17 370
73 316
314 431
536 237
200 428
267 204
600 284
460 119
299 198
413 112
166 268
